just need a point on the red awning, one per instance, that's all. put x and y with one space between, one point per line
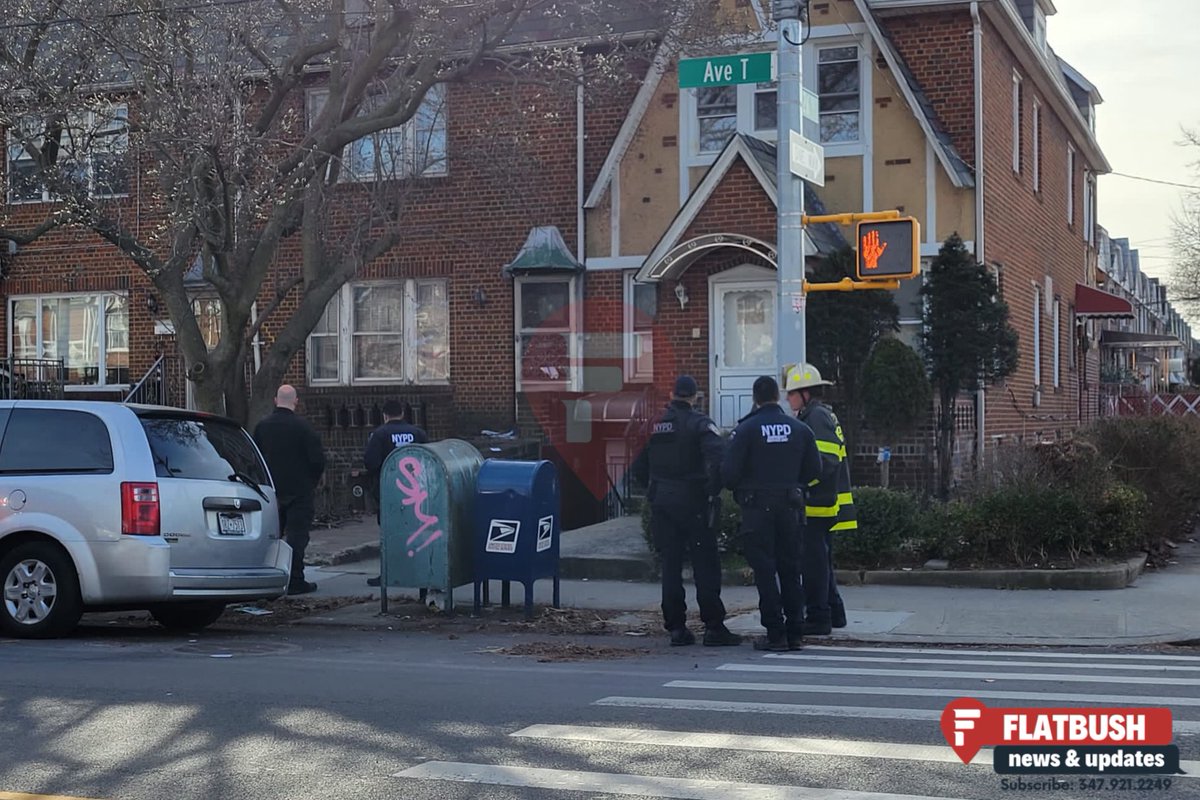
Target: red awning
1094 304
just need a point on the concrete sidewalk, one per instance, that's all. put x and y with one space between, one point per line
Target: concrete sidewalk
1160 607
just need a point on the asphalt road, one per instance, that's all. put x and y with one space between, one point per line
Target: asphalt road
142 715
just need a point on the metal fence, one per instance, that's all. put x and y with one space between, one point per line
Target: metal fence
32 379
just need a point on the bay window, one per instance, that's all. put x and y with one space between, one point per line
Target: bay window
88 332
546 325
383 332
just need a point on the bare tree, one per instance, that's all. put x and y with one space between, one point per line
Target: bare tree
1185 277
249 116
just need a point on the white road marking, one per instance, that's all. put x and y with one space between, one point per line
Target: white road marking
985 663
794 709
848 748
1019 653
757 744
562 780
963 675
905 691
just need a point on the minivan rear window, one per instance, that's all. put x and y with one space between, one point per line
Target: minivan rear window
202 449
43 441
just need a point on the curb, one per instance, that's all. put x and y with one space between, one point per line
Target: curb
608 568
1115 576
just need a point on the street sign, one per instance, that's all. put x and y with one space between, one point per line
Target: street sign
808 159
695 73
888 250
812 106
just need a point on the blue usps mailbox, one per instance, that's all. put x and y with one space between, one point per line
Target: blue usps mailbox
426 493
517 525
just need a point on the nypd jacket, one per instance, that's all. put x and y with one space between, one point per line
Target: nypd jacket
683 455
382 441
771 450
830 498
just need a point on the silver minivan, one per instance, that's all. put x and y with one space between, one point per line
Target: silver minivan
107 507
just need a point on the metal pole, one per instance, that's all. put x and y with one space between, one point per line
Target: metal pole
790 344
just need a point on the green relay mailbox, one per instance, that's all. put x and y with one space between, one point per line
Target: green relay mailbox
426 497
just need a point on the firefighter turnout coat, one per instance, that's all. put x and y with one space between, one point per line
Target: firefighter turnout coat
829 499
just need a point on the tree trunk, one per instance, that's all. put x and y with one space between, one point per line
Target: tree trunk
945 444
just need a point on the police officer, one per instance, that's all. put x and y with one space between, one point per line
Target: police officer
830 506
682 463
395 432
772 458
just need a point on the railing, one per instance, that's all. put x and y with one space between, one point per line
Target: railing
151 390
32 379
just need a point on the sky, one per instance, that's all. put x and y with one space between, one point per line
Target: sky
1145 60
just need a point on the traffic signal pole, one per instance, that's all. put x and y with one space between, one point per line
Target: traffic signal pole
790 342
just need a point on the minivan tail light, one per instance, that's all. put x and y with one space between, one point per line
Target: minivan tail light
139 509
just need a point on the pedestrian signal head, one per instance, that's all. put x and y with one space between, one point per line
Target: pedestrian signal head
888 250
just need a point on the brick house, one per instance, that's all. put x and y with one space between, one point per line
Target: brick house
638 244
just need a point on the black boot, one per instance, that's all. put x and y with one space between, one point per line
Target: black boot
775 642
720 636
837 616
816 628
795 640
682 637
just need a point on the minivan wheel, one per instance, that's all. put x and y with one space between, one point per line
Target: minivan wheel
187 616
41 597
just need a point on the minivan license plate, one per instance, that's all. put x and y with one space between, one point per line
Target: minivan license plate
231 524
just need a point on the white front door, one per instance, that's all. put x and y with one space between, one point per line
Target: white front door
743 346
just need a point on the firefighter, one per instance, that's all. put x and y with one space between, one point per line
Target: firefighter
682 464
771 459
830 506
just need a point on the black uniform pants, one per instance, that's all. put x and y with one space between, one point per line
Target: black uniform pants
821 596
772 544
680 528
295 522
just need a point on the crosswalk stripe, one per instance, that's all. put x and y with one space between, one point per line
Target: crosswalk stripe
984 662
796 709
1021 654
964 675
905 691
793 709
758 744
848 748
562 780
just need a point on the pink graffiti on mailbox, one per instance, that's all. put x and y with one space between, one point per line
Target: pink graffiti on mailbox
409 484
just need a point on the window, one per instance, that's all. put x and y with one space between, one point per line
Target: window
1039 28
207 311
1037 146
1037 336
716 112
1057 344
201 449
92 148
839 87
34 442
546 324
1016 123
89 332
1089 208
1070 184
641 304
383 332
418 147
833 78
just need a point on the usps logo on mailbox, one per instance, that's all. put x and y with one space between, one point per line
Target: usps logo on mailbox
502 536
545 533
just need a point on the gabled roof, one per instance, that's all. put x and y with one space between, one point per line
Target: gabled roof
760 157
961 173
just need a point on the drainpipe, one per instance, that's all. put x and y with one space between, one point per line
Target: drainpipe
581 246
977 35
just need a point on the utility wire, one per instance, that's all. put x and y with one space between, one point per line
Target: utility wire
1155 180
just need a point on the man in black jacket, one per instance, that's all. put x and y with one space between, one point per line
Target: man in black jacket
294 455
682 463
395 432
